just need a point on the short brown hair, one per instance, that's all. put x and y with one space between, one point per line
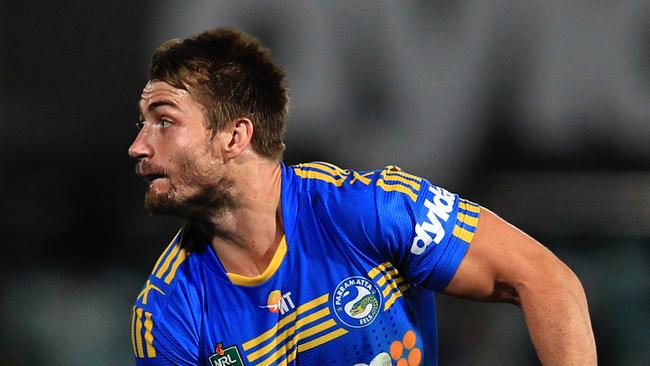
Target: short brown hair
232 75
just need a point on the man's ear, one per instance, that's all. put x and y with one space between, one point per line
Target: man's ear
239 134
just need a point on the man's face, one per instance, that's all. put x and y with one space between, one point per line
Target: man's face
178 155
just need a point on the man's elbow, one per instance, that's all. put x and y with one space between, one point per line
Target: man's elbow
547 276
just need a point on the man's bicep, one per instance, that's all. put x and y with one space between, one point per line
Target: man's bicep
497 258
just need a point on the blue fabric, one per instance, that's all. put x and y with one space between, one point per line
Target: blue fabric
365 253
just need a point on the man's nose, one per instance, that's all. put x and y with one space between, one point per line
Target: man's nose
141 148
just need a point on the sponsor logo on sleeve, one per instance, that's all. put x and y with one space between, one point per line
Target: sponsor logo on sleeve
431 230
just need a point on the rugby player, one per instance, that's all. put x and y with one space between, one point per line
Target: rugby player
311 264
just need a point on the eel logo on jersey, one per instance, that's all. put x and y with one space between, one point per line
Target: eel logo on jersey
356 301
279 302
226 356
439 209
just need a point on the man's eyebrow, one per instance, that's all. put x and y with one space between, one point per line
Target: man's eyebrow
161 103
156 104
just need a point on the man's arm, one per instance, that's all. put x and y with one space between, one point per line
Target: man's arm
504 264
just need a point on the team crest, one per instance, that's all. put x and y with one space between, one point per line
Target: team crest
226 356
356 301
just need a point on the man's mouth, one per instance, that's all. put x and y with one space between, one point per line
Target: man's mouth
149 172
151 177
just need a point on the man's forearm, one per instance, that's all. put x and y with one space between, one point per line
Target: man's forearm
555 308
504 264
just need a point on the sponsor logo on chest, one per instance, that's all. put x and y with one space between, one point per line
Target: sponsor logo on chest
279 302
431 230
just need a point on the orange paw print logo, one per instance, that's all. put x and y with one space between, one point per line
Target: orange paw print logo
405 352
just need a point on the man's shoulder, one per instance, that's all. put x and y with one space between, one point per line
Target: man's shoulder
326 179
172 270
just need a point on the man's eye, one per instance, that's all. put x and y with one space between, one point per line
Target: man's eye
162 123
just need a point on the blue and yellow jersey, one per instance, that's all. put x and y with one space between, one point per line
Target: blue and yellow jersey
351 283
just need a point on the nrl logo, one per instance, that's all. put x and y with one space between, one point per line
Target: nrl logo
226 356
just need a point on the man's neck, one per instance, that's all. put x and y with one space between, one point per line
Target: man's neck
246 237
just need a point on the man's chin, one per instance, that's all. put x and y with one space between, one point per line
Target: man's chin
207 202
158 204
167 205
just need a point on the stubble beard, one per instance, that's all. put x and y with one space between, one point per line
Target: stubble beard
208 201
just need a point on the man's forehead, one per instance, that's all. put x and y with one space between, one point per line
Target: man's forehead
157 94
160 89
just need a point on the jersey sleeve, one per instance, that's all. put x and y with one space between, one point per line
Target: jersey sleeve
162 340
426 228
164 330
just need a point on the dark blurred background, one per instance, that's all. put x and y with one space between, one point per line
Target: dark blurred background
537 110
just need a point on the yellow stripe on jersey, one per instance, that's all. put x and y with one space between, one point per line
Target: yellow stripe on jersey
469 206
148 335
287 333
392 285
393 179
402 177
175 258
331 166
311 174
319 322
387 277
378 269
312 317
138 334
467 219
397 188
168 249
386 270
286 320
463 234
133 341
331 173
395 296
327 172
322 339
146 290
301 335
363 178
313 343
327 167
269 333
404 174
165 266
182 256
395 170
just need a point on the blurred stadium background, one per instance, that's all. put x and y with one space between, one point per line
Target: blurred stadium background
538 110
